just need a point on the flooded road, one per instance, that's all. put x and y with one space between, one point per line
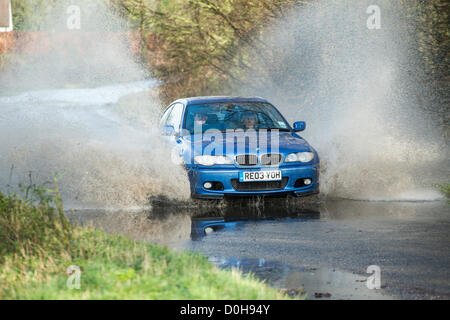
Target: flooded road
92 120
105 145
318 249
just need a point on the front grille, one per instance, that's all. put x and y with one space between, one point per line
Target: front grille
259 185
271 159
247 159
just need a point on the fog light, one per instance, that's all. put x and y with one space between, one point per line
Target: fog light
207 185
307 182
209 230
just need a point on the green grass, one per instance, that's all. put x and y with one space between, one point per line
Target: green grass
445 189
38 244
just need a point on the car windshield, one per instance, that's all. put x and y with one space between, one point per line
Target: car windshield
231 116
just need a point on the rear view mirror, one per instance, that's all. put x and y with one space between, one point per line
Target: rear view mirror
299 126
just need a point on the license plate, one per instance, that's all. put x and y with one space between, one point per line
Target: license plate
272 175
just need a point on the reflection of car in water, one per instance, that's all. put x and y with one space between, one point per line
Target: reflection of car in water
240 147
229 218
204 226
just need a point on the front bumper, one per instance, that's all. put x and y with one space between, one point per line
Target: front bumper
198 176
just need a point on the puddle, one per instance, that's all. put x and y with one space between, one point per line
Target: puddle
314 283
321 249
203 226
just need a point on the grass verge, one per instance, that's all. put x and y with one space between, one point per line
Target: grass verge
445 189
38 245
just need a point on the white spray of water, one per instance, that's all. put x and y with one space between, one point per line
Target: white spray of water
107 160
103 139
354 88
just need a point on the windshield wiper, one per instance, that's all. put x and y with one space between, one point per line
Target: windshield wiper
279 129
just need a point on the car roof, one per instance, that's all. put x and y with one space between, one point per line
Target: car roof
218 99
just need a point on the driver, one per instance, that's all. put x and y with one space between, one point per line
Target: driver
250 120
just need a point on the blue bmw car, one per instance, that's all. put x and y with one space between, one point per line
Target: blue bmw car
239 147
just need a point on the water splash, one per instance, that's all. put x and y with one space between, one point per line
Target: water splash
107 160
101 136
358 91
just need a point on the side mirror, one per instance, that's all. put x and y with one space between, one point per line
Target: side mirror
299 126
168 131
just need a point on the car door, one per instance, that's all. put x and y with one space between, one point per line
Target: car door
173 117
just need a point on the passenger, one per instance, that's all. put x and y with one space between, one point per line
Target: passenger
200 119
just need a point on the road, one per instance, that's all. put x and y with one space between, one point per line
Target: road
321 249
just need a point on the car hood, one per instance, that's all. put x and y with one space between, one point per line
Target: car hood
287 143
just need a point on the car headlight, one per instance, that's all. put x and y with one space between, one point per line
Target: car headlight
299 157
206 160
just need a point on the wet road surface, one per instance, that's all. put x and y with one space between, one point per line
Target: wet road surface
322 250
